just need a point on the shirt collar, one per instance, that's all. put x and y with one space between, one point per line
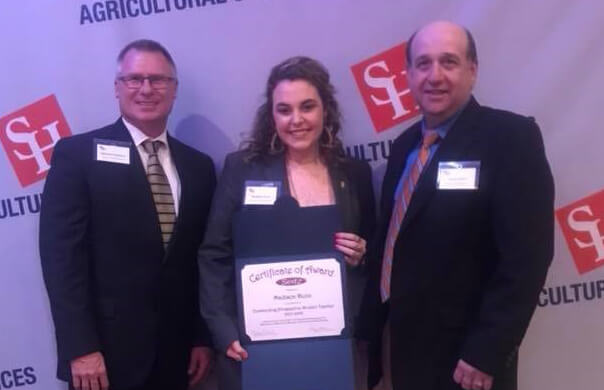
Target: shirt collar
445 126
139 137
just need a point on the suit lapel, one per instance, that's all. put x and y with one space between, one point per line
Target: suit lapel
345 201
139 186
340 184
274 170
178 157
137 172
452 148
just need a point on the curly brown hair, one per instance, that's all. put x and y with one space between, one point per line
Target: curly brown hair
263 130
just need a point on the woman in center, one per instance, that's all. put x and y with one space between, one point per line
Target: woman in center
294 142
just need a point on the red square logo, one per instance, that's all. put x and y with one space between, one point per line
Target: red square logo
582 223
382 82
29 136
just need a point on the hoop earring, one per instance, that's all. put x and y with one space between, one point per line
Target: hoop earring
330 139
273 147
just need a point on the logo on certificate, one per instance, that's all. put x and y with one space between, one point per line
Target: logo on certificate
582 223
29 136
382 82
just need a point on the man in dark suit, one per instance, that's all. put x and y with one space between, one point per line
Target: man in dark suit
124 211
466 231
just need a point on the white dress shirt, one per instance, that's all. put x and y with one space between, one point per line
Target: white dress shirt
163 154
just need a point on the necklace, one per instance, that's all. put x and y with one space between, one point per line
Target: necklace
315 193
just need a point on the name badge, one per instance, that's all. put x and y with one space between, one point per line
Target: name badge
261 192
112 151
458 175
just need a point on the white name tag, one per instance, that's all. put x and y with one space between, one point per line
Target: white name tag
260 193
458 175
113 153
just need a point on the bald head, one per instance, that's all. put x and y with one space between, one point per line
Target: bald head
442 25
441 70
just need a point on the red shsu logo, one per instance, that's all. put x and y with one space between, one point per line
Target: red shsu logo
583 227
29 136
382 82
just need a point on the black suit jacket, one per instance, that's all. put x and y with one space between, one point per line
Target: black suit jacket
112 286
352 185
468 264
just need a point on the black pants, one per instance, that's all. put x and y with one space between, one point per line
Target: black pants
163 376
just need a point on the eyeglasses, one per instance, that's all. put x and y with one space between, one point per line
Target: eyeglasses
137 81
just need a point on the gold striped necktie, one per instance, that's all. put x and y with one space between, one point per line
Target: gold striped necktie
401 203
160 188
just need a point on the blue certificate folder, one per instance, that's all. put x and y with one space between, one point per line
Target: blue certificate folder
286 232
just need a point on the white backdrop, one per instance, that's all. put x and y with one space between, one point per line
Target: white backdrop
538 58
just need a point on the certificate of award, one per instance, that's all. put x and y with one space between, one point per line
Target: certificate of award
292 299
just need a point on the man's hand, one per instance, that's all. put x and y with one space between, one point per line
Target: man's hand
199 364
89 373
236 351
471 378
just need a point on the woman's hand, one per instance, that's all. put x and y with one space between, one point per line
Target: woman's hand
352 246
236 352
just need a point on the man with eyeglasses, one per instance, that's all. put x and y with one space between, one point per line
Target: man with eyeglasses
124 211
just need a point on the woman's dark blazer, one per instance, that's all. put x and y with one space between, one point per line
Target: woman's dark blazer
352 185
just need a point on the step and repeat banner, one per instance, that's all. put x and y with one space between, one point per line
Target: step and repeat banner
538 58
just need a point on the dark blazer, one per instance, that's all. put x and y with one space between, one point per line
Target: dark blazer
111 285
468 264
352 185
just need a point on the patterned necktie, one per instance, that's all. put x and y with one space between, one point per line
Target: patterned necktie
400 208
160 188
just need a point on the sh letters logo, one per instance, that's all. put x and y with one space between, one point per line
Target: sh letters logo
29 136
582 223
382 81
